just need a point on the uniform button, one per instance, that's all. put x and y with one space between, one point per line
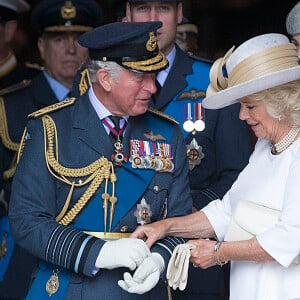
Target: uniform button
124 229
156 188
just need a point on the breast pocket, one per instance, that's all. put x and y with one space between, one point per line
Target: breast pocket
156 195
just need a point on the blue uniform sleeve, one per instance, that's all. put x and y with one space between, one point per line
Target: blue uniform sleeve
33 209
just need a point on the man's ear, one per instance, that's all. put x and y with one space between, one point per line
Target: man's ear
10 29
104 79
179 13
41 43
128 12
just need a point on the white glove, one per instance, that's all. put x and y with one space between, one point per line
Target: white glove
178 267
126 252
145 277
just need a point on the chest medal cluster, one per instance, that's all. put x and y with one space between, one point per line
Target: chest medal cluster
151 154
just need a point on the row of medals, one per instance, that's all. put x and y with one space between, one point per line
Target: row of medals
159 159
194 151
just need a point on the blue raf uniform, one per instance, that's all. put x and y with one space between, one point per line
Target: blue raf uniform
224 143
16 264
16 103
66 147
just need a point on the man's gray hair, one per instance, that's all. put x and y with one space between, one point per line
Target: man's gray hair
111 67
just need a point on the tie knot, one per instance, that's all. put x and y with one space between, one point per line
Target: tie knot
116 121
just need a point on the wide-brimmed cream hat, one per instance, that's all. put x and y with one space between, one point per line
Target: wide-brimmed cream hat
260 63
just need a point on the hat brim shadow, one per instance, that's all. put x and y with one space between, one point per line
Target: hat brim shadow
231 95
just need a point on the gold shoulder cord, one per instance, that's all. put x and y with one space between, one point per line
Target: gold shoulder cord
161 114
94 173
7 142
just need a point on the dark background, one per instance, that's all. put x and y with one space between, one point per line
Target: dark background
221 23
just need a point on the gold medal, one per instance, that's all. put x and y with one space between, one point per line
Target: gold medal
52 284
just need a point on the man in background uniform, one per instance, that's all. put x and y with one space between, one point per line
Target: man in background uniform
10 71
104 163
293 26
217 144
59 23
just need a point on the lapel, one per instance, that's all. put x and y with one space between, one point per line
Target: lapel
42 91
89 127
176 81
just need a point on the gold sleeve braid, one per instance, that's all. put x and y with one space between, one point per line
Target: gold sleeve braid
7 142
94 173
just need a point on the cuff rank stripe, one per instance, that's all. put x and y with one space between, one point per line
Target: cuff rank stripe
169 243
84 251
210 194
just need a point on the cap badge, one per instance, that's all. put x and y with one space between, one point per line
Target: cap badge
68 11
151 44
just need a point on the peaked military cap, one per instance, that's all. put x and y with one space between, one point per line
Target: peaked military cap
132 45
61 16
9 9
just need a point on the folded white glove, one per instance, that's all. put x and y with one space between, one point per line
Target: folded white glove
178 267
145 277
126 252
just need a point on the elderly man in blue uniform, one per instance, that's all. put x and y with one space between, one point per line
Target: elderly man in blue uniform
217 142
11 72
97 167
60 24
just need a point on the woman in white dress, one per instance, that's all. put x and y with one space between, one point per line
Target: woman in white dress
256 225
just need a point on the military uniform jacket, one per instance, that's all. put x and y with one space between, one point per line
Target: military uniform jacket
38 197
225 144
17 105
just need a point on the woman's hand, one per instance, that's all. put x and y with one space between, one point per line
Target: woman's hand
151 233
203 255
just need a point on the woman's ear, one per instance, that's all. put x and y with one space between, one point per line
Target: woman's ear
104 79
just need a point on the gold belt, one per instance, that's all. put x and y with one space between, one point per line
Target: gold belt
108 235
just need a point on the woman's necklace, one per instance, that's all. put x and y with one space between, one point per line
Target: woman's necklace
285 142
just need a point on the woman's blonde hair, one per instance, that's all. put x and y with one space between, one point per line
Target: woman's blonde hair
282 102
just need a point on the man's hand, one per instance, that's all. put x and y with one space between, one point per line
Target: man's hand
127 252
151 233
145 277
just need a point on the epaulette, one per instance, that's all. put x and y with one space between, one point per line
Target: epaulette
161 114
34 66
52 108
15 87
198 58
